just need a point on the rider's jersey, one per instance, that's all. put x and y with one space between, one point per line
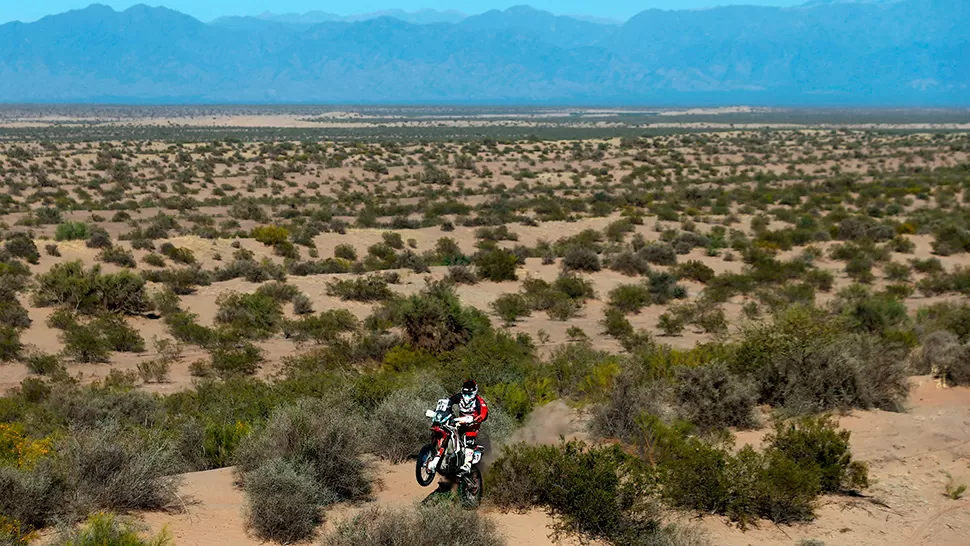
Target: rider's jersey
478 409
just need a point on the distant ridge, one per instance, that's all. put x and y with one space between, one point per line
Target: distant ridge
907 52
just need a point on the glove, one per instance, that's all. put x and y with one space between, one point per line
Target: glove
465 420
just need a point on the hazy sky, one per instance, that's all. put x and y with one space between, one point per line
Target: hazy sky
26 10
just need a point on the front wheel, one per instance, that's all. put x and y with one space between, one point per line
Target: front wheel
470 488
423 474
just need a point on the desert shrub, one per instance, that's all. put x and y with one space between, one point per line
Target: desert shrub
496 265
659 254
673 320
90 291
426 525
283 501
302 305
118 256
711 397
630 298
694 270
574 287
630 397
98 238
397 427
436 320
156 370
806 361
10 345
44 364
324 437
110 469
177 254
21 245
928 265
615 323
32 497
15 533
104 529
71 231
365 289
84 343
13 314
270 235
279 291
393 239
821 279
743 486
628 263
598 492
511 307
939 352
322 328
897 272
255 315
182 281
155 260
817 442
118 334
235 359
52 250
461 274
345 252
581 258
950 239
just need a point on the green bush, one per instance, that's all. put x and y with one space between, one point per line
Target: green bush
108 468
104 529
98 238
427 525
630 298
435 319
461 274
596 492
345 252
90 291
397 427
270 235
511 307
85 343
694 270
496 265
71 231
320 435
256 315
659 254
365 289
581 258
807 361
235 359
21 245
712 397
283 501
817 442
44 364
33 497
177 254
118 256
322 328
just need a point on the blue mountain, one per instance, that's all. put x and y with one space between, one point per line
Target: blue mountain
908 52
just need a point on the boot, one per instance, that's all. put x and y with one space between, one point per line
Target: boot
466 466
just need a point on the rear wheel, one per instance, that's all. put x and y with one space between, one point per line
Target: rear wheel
470 488
424 475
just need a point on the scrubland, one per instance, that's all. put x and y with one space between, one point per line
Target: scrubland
736 337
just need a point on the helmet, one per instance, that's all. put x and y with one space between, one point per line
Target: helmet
469 392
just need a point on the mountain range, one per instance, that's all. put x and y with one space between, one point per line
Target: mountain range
869 53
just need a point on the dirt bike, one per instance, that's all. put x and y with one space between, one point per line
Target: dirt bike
444 433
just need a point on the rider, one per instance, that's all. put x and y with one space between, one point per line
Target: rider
473 412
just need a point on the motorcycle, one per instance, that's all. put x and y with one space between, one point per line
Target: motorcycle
444 433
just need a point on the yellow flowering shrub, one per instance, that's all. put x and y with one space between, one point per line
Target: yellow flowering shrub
16 449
